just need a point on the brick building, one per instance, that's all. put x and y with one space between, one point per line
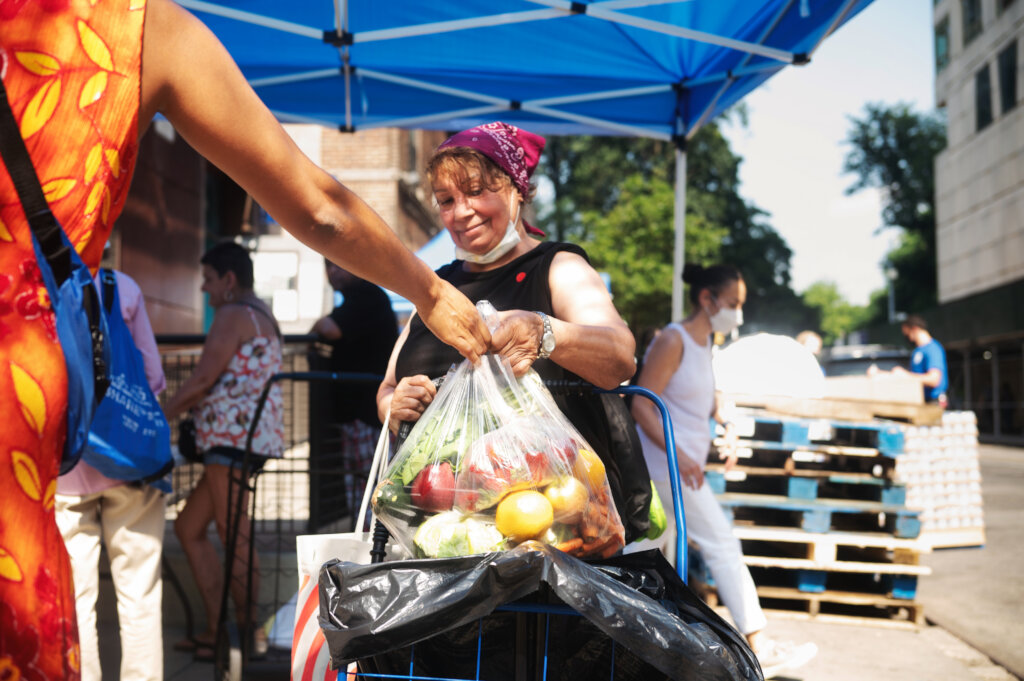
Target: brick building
179 204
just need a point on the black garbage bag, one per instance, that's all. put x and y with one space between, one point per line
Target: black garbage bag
447 607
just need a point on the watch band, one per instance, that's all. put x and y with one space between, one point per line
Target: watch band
547 338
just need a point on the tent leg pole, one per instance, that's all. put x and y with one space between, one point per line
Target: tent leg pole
679 222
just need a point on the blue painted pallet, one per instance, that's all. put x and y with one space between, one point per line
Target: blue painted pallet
771 431
822 515
831 606
833 486
811 581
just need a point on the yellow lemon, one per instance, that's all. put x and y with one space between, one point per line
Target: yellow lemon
590 469
523 515
568 498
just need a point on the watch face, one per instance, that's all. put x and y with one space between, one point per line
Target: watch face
548 343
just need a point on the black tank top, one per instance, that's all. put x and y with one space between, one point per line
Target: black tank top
603 420
520 285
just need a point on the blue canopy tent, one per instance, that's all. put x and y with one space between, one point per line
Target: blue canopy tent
646 68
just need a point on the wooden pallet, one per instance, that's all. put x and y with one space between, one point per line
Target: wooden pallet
817 485
843 608
960 538
865 570
839 409
811 462
767 429
820 515
832 546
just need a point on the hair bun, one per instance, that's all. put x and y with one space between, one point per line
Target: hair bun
692 272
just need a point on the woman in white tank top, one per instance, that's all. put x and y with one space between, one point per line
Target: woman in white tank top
677 366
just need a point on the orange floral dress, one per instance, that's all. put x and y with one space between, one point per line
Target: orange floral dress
72 73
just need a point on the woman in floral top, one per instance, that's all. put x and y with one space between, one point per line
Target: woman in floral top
241 353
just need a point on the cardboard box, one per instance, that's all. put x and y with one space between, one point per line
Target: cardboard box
880 388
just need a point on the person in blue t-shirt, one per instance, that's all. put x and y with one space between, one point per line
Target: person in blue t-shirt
928 361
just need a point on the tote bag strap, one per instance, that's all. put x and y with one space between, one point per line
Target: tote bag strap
377 467
23 175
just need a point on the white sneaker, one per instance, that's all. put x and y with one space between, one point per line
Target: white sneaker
776 657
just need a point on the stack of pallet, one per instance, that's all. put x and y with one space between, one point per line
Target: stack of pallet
939 467
825 525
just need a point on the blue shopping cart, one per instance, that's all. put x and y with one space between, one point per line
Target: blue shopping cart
595 620
544 632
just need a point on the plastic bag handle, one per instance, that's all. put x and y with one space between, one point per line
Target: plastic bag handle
489 314
377 468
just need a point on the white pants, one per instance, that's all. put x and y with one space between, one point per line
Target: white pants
130 521
708 528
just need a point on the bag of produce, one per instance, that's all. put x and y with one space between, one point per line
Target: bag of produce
491 463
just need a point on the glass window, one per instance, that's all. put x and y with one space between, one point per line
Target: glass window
1008 77
942 44
971 12
982 99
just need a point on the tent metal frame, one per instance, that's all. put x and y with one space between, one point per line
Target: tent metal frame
604 10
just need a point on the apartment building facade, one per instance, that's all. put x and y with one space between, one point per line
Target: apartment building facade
979 61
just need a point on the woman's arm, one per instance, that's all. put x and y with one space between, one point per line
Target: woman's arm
662 361
221 343
591 340
189 77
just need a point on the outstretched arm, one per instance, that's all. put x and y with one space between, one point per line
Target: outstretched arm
189 77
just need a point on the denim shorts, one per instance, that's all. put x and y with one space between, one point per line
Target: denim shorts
233 457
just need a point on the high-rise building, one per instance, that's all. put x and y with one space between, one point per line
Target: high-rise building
979 184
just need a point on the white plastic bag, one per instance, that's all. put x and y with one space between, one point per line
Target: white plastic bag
493 462
313 550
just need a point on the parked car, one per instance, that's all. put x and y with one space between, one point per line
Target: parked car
851 360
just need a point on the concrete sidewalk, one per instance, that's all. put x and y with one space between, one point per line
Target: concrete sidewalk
970 600
976 593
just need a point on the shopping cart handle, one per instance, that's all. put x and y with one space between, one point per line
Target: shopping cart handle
682 557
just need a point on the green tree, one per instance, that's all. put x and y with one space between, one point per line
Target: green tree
615 197
837 316
587 174
893 148
633 242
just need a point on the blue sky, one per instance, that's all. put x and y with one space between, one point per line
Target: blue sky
793 147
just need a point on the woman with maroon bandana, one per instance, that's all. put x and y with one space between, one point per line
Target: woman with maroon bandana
556 313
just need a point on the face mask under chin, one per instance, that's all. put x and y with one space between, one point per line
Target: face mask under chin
507 243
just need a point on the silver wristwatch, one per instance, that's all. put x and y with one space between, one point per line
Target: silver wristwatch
547 339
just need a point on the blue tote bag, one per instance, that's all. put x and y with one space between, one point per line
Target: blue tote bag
130 438
81 327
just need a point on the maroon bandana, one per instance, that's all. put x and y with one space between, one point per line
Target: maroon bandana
515 150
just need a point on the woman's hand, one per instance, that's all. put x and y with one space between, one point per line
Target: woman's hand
411 397
456 321
728 449
690 472
517 338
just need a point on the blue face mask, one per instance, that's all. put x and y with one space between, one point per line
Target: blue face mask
507 243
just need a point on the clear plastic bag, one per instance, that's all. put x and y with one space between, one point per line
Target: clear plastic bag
492 462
